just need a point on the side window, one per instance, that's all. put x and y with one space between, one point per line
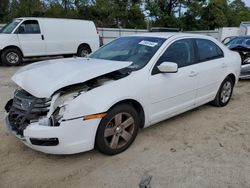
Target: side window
180 52
29 27
208 50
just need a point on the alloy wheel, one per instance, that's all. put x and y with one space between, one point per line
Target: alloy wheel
226 92
119 130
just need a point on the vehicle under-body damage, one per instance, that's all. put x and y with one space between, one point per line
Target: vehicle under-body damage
244 52
25 108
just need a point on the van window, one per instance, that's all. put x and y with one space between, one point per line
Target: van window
29 27
208 50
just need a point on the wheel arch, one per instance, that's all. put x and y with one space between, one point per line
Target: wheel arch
233 77
137 106
84 44
11 47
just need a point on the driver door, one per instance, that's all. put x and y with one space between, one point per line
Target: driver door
173 93
30 38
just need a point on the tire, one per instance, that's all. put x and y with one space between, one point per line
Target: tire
224 94
11 57
83 51
113 134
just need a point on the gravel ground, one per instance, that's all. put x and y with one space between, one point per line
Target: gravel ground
205 147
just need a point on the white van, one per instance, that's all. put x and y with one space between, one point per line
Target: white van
37 37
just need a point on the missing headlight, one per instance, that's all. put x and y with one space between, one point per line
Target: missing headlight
56 117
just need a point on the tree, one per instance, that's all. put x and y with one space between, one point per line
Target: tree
215 15
162 12
114 13
191 19
240 11
19 8
4 10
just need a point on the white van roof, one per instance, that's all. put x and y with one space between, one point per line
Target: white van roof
44 18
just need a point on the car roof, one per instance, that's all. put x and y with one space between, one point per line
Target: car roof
170 34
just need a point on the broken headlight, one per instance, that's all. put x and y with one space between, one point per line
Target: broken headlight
58 108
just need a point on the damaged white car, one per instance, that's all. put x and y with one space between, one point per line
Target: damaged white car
68 106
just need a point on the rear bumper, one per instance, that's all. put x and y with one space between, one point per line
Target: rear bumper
73 136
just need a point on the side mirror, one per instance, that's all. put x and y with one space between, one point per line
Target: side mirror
21 29
168 67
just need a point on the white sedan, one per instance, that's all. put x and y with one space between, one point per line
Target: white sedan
68 106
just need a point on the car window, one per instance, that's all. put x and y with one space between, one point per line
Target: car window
180 52
208 50
248 42
29 27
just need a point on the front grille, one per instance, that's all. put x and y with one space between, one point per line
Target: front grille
26 108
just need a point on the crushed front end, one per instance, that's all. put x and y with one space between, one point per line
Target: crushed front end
24 109
39 123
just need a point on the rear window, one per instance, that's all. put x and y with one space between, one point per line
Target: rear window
208 50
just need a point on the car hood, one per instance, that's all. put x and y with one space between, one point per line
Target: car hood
42 79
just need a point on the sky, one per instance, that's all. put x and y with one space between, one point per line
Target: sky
247 2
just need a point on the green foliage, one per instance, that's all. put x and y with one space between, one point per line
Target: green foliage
184 14
4 4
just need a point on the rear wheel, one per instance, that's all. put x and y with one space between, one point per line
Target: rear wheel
117 130
83 51
224 94
11 57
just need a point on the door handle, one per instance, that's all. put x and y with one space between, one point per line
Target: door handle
193 74
42 37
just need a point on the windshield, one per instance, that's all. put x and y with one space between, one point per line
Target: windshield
238 40
8 28
137 49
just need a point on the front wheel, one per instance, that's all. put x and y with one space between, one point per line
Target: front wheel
11 57
224 94
117 130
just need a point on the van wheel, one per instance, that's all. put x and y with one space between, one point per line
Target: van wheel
83 51
117 130
11 57
224 94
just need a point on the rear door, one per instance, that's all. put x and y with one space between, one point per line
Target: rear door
211 68
31 39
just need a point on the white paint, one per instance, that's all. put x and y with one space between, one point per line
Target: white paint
161 95
52 75
61 37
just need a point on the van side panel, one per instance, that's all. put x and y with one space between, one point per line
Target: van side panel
64 36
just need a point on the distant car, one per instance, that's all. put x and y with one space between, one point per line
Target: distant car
240 40
228 39
68 106
37 37
245 72
241 44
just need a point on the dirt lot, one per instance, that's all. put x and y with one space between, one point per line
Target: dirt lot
206 147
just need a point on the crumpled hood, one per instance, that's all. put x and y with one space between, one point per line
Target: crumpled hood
42 79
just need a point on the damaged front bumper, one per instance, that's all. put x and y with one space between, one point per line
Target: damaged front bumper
70 137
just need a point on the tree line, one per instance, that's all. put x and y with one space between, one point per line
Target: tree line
183 14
